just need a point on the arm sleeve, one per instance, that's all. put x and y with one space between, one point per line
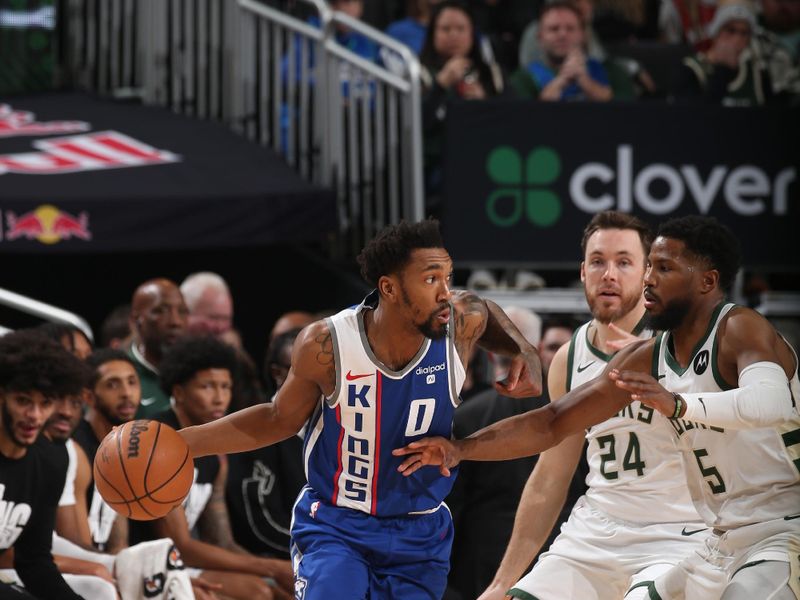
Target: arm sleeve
763 399
32 557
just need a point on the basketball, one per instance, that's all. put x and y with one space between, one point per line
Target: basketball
143 469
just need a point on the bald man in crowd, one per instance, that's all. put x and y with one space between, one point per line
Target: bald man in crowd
159 317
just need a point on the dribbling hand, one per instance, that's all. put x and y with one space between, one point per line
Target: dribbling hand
436 451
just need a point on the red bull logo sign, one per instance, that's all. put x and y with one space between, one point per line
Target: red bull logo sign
48 225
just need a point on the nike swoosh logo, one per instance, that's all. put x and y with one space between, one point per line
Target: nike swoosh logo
582 368
791 518
351 377
705 412
684 532
661 376
147 401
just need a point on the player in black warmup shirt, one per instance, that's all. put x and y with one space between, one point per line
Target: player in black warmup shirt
33 372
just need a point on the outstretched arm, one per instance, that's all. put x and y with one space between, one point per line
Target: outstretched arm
751 353
542 498
312 373
537 430
482 322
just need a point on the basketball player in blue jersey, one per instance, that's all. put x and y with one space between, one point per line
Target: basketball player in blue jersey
366 381
728 382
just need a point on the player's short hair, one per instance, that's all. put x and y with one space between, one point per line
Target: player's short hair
708 239
32 362
613 219
569 5
390 251
100 357
59 331
190 355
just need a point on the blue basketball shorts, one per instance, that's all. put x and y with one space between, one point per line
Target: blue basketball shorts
344 554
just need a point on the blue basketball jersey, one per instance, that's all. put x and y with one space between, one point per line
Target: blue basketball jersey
373 410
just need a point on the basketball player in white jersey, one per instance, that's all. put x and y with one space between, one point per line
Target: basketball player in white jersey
729 383
367 380
612 540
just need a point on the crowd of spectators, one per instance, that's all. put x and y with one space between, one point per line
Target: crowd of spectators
723 52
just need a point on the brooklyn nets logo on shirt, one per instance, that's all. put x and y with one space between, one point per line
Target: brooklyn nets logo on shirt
701 362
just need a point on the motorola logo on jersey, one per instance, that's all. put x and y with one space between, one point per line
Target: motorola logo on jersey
13 518
701 362
431 369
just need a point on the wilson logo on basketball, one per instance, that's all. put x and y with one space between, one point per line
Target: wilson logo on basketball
137 429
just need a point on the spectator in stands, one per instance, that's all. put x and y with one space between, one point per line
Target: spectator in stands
564 72
159 317
114 396
686 22
776 41
485 496
69 336
782 18
198 374
452 68
627 78
91 578
115 332
730 73
209 302
263 484
530 48
556 331
411 30
33 371
210 305
294 319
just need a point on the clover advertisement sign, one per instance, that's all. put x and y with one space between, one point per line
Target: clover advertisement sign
522 179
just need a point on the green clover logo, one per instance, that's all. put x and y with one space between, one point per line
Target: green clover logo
506 204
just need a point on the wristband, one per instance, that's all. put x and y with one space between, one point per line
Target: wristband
679 404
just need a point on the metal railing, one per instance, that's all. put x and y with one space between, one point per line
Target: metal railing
274 76
48 312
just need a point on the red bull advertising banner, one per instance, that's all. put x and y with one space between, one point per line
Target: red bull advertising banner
78 174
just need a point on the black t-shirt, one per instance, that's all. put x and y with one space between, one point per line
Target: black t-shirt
30 488
260 492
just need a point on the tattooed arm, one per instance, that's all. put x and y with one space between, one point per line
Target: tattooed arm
484 323
311 375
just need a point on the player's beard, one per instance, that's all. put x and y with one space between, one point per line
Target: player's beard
672 316
58 437
9 427
108 415
428 327
606 316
